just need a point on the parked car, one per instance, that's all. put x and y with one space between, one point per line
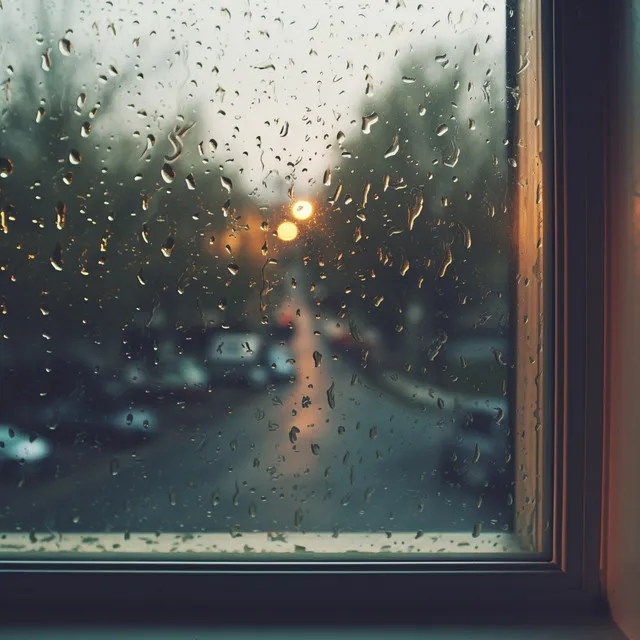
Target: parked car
196 360
66 401
476 453
250 357
477 450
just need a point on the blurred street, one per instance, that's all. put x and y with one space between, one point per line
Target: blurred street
328 452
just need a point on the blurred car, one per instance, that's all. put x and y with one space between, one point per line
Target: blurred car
156 365
22 454
477 448
67 402
195 360
354 341
476 452
250 357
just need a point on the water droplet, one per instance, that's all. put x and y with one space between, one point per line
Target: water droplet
213 145
253 510
81 101
340 137
408 79
56 258
442 129
168 173
297 518
331 398
368 122
226 183
446 262
168 246
477 529
422 110
40 114
65 47
315 449
336 195
476 454
215 497
452 159
85 130
61 215
466 235
326 180
293 434
442 60
115 467
191 182
369 90
233 269
378 300
355 333
393 149
499 356
512 162
415 209
6 167
74 157
317 358
45 60
141 278
235 499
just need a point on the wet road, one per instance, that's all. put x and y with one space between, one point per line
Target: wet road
370 463
329 452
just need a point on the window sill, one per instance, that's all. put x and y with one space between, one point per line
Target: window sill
400 546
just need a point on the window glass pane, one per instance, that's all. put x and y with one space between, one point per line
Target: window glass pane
263 277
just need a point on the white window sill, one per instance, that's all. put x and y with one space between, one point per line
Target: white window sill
448 545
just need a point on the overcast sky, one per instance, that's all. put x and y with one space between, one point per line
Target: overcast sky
245 69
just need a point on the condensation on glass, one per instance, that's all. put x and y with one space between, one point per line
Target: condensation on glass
271 278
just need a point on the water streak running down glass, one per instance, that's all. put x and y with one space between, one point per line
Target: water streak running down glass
259 278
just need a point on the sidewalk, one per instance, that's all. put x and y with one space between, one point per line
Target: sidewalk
429 396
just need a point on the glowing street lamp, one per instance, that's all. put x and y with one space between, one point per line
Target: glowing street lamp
287 231
302 210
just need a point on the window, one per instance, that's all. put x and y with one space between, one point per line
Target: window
280 289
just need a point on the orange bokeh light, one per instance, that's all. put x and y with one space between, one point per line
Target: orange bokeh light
287 231
302 209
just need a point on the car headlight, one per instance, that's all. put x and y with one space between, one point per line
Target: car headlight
18 446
